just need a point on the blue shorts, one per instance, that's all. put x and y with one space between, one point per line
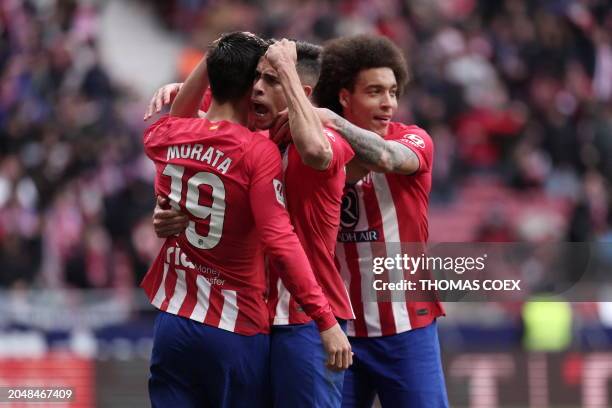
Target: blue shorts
299 375
405 370
194 365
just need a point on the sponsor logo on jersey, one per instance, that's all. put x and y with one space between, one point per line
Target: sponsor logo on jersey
358 236
415 140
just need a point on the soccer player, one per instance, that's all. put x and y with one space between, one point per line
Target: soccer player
397 352
314 180
210 344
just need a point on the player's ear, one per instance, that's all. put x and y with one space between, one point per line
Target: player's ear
307 90
343 96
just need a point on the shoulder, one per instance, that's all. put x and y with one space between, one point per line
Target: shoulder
162 131
411 135
342 150
417 140
262 158
335 139
261 149
263 133
331 134
261 141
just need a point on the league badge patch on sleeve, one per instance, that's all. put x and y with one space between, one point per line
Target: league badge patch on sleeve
278 189
415 140
329 134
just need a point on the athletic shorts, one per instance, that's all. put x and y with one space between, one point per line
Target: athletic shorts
299 377
195 365
405 370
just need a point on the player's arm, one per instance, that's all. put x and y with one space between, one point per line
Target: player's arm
165 96
286 252
374 152
168 221
306 129
282 245
189 98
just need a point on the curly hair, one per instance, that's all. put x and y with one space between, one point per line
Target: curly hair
344 58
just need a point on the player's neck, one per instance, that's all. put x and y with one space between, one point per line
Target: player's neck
227 111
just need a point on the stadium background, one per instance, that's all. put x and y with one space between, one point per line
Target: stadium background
517 95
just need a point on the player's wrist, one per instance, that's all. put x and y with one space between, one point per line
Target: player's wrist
325 321
286 70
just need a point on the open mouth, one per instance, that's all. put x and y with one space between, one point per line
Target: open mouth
260 110
382 119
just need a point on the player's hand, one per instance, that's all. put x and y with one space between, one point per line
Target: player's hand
163 96
280 132
338 348
168 221
281 53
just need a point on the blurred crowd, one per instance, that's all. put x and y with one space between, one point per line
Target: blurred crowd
519 91
75 197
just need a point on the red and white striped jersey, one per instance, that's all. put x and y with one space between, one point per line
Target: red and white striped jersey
228 181
379 212
313 201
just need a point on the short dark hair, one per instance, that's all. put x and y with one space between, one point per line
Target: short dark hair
308 62
231 63
344 58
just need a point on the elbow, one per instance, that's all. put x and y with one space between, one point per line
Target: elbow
385 164
318 158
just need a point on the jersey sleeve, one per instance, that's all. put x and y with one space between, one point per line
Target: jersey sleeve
417 140
282 245
154 134
169 129
342 152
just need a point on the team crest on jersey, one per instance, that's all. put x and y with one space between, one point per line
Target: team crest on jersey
415 140
278 189
349 215
329 134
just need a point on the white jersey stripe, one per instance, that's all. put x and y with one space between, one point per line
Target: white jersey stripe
285 159
346 277
282 307
371 314
229 313
344 272
180 291
201 307
387 207
370 305
161 291
392 243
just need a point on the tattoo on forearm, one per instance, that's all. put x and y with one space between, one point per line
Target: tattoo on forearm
368 146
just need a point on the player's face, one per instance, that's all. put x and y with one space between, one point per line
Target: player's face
373 101
267 98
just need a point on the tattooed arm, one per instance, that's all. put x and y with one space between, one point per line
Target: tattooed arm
374 152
